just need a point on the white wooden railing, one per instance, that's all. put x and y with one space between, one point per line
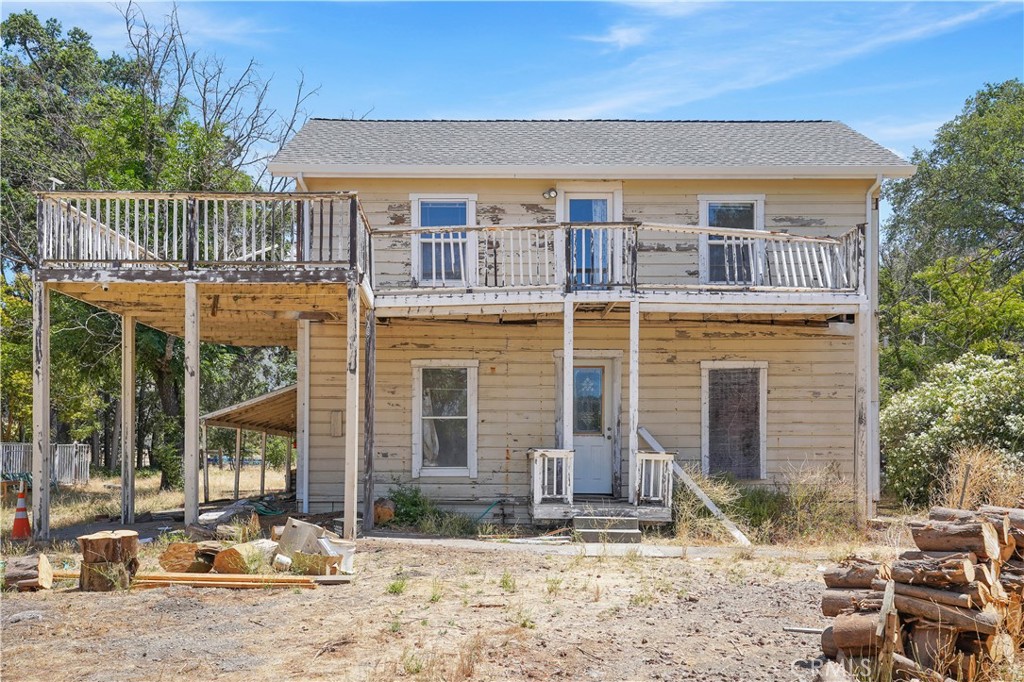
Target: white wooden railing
654 478
70 461
201 229
588 256
552 476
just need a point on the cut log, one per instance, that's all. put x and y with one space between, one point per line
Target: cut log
109 546
978 537
178 556
916 554
29 572
855 634
906 669
247 557
1015 516
104 576
855 573
966 601
828 643
985 621
932 644
950 514
933 572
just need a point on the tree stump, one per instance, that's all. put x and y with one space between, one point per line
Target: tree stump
247 557
109 560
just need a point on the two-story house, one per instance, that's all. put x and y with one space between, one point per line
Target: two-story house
523 318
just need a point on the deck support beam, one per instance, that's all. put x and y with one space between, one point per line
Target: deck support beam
237 460
41 455
352 411
191 463
302 416
263 463
128 420
862 364
370 381
634 397
568 310
204 462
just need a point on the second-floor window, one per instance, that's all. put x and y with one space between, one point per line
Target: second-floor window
730 260
445 258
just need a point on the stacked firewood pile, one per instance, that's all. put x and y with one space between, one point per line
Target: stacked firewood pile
949 610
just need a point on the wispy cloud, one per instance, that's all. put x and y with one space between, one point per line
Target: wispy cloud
732 48
622 37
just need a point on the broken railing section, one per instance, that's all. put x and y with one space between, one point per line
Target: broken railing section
552 472
203 229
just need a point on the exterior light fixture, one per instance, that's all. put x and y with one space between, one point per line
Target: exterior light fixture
550 194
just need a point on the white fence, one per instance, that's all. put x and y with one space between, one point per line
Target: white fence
70 461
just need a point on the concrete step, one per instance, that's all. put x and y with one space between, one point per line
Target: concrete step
603 523
610 536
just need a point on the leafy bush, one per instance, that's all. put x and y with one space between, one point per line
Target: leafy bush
977 400
413 508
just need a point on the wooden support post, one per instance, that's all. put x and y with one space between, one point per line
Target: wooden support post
41 463
567 374
302 419
634 396
369 381
191 463
263 464
862 364
871 262
204 455
128 420
288 465
238 459
352 409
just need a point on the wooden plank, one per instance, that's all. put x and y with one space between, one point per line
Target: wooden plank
568 311
369 419
128 420
263 463
302 415
634 396
238 459
41 454
191 396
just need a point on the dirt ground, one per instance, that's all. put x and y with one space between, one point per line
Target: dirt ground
420 612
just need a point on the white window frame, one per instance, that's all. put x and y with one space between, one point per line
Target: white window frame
705 408
472 368
706 199
470 265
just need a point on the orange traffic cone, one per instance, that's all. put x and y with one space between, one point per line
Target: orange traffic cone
22 530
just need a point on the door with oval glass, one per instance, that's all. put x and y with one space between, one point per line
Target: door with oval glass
593 421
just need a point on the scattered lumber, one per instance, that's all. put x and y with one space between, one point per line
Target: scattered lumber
109 560
245 557
27 573
247 581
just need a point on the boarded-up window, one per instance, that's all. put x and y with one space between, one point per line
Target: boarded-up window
734 421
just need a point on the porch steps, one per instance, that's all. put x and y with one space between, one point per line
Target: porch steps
610 529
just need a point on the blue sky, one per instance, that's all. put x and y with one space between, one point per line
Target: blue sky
894 71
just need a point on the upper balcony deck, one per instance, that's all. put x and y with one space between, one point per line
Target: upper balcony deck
325 237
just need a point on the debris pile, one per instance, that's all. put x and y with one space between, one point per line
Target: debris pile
949 610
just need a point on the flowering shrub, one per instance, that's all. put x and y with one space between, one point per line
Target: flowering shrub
975 400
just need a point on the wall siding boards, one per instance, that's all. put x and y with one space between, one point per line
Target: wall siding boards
809 411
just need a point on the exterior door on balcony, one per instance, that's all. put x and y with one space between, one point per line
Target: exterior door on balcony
592 426
593 249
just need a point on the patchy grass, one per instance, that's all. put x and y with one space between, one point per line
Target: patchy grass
507 582
397 586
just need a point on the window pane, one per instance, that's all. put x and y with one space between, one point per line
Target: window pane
587 404
731 214
445 392
588 210
445 443
734 422
442 213
442 254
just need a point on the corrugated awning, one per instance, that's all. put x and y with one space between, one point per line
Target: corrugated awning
272 412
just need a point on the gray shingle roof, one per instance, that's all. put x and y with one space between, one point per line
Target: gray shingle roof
350 145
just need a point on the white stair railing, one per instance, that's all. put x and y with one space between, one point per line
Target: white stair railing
552 475
654 478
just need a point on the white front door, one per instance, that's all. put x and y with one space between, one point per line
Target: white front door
593 421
